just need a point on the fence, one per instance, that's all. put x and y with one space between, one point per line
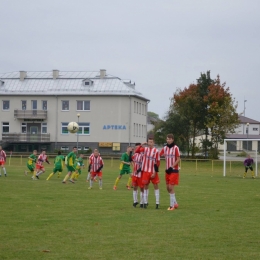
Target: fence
186 165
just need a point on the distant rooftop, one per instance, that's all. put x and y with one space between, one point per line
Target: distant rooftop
244 120
57 82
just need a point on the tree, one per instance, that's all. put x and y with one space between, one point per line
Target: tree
187 104
222 114
153 115
207 108
203 83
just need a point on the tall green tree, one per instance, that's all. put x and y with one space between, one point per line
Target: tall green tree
209 109
203 84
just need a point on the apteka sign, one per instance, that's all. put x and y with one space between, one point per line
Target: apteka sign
114 127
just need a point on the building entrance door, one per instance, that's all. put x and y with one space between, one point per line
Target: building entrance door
33 133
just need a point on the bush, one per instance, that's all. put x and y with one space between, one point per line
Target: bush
241 154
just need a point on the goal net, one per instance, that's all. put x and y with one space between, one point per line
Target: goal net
235 153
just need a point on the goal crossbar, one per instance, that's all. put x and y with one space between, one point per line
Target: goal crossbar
225 150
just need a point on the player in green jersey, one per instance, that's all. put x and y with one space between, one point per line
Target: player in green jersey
31 164
79 164
70 163
125 168
58 165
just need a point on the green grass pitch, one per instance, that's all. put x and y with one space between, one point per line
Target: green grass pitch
218 217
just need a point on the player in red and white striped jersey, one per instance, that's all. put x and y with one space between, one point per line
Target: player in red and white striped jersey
137 159
89 168
150 169
97 164
172 158
39 164
2 161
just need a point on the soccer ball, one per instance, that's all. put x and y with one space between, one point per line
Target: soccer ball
73 127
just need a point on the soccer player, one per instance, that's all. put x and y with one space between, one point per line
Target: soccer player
125 167
97 164
70 163
39 165
89 169
248 163
79 164
150 169
58 165
30 164
2 161
172 158
137 177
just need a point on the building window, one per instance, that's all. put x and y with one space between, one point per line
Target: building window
34 104
140 111
44 105
255 129
24 128
24 105
84 129
64 128
134 106
44 128
65 105
64 148
134 129
87 83
5 127
83 105
6 104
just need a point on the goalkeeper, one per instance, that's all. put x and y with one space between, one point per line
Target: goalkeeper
248 163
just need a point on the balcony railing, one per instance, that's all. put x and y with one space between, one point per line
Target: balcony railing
30 114
21 138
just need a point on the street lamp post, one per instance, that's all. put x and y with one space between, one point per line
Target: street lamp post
247 126
78 115
244 107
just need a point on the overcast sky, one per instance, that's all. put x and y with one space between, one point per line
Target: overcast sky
160 45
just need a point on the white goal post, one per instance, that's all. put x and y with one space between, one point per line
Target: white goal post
240 149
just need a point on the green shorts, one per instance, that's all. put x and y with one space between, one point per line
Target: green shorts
31 168
79 171
57 169
127 171
71 169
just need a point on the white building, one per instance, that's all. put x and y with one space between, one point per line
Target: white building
247 129
36 108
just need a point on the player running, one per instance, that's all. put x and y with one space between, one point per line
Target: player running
2 161
70 161
97 164
150 169
79 164
58 165
172 158
31 164
248 163
39 165
137 177
125 167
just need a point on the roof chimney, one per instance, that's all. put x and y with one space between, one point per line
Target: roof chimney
102 73
23 75
55 74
